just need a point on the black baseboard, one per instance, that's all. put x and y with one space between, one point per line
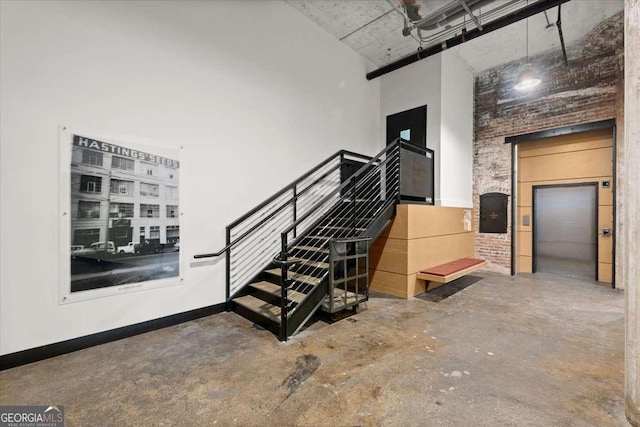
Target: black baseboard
24 357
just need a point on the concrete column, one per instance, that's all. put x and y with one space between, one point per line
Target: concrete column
631 209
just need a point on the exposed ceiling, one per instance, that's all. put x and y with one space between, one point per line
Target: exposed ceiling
373 28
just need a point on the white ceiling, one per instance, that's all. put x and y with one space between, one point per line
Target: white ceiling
382 42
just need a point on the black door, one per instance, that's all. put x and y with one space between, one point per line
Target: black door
410 125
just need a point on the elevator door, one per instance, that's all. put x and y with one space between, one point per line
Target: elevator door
565 230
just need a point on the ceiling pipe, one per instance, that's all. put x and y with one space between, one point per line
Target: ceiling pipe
471 15
448 12
519 15
452 30
366 25
559 25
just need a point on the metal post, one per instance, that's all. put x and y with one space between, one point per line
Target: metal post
284 267
353 201
366 280
295 210
228 270
345 275
400 172
332 269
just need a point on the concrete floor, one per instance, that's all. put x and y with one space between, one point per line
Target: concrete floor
572 268
530 351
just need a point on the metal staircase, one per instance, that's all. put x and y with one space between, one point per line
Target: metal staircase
306 247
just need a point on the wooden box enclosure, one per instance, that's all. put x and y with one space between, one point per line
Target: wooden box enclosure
420 237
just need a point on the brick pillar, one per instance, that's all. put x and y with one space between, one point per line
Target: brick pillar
631 210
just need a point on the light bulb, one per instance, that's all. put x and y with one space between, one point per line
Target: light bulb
527 79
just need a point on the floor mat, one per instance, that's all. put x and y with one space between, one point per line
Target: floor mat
448 289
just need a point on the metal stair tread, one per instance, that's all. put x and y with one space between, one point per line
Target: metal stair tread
314 264
333 227
296 276
316 237
312 249
259 306
274 289
346 218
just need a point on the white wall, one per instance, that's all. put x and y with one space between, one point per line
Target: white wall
255 93
456 133
445 85
409 87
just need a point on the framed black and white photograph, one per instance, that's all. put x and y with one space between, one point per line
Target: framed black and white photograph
120 218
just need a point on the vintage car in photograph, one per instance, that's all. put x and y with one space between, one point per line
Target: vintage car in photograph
148 247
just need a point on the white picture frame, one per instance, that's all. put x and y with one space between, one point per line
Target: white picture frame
124 191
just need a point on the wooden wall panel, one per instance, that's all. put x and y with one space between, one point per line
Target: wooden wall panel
525 243
605 249
421 236
567 143
432 251
525 194
395 284
399 225
410 256
605 195
578 164
524 264
416 221
389 255
605 272
429 221
605 217
415 286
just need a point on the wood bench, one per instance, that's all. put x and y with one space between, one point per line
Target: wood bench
450 271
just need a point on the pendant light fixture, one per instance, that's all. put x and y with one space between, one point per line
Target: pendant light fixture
528 78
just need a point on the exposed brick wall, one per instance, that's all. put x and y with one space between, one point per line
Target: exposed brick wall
586 91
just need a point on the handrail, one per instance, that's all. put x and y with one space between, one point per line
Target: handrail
338 155
214 254
262 223
319 220
291 185
397 143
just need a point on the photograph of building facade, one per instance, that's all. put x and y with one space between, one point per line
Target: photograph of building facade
129 199
122 195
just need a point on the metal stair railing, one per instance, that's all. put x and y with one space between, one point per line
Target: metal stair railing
366 194
252 241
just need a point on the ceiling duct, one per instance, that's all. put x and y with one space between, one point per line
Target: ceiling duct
443 16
